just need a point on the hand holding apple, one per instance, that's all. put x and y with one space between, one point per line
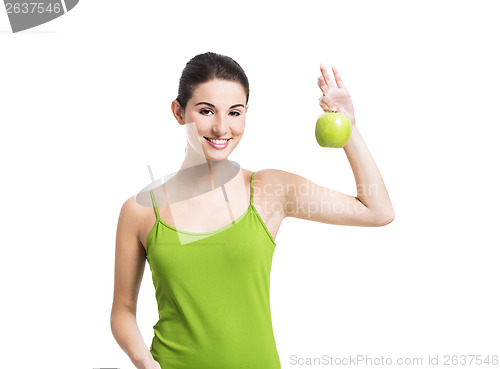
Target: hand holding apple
335 95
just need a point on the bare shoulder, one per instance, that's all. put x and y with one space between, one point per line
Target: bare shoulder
131 213
134 214
270 187
277 179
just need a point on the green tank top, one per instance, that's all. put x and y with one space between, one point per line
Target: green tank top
213 295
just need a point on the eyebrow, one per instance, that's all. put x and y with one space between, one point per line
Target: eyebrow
213 106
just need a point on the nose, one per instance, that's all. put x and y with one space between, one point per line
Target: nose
220 126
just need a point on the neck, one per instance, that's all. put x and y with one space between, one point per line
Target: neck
201 175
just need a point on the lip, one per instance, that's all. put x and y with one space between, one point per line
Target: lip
216 146
218 138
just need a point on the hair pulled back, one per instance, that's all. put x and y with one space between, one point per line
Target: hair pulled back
206 67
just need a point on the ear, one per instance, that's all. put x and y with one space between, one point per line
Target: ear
177 111
246 108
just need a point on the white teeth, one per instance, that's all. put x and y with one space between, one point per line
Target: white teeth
218 142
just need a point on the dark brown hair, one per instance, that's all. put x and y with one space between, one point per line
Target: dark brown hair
206 67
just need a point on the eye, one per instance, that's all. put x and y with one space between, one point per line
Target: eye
234 113
204 110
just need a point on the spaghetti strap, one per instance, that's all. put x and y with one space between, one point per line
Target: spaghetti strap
251 188
154 204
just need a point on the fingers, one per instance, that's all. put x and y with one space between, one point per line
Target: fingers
327 104
336 73
328 80
322 85
322 104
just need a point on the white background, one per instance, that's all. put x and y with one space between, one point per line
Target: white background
85 107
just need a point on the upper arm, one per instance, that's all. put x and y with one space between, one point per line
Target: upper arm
129 258
308 200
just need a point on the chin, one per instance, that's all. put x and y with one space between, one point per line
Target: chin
217 156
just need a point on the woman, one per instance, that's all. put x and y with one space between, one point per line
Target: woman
210 239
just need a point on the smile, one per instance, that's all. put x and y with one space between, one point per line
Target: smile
218 144
217 141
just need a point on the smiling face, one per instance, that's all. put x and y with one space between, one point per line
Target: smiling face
217 109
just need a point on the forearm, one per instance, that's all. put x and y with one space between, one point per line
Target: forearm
126 332
370 186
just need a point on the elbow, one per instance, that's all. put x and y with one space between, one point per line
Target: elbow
385 219
113 318
118 316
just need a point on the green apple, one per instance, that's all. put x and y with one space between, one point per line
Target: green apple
333 130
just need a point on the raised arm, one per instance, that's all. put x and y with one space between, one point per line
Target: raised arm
372 206
129 270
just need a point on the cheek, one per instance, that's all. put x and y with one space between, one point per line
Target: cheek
201 124
191 118
239 127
